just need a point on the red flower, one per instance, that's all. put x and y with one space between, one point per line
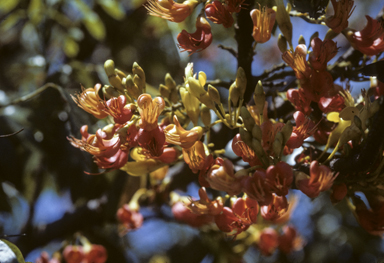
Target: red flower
218 14
320 180
299 100
73 254
256 187
339 191
130 219
241 149
198 40
246 208
150 136
303 129
372 220
289 240
151 141
105 145
332 103
318 85
277 208
269 241
183 214
234 6
279 177
323 51
343 10
117 108
370 40
231 223
97 254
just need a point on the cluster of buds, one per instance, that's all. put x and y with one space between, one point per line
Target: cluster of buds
85 253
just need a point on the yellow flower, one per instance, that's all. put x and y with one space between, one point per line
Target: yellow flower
149 111
170 10
90 101
263 21
175 134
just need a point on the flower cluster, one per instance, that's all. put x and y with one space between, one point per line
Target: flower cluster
85 253
148 134
219 12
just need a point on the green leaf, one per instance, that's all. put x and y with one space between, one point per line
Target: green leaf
94 26
71 48
4 204
16 250
91 21
112 8
8 5
12 20
36 11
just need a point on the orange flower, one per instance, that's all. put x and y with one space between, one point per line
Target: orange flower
263 21
119 110
150 111
175 134
320 180
370 40
303 129
323 51
343 10
195 156
90 101
106 147
297 61
198 40
277 208
269 241
222 177
205 206
279 177
170 10
218 14
257 188
240 148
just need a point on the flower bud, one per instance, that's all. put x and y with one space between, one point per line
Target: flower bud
248 121
256 132
110 92
114 79
314 35
132 89
169 82
301 40
246 136
277 145
282 43
283 20
286 132
164 91
138 77
214 94
330 34
205 115
259 97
